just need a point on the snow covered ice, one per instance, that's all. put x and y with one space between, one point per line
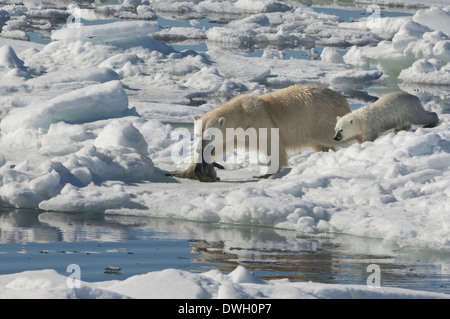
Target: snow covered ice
179 284
89 120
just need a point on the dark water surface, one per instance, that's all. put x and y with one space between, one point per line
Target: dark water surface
110 247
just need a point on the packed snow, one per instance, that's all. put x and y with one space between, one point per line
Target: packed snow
180 284
92 121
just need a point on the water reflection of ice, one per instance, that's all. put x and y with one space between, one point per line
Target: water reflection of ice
127 241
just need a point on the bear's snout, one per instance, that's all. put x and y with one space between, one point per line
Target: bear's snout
338 136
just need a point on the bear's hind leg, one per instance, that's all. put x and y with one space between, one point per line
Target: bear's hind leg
322 148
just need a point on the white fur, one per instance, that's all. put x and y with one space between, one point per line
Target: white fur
394 111
305 115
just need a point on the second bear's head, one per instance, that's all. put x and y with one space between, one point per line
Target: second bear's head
346 127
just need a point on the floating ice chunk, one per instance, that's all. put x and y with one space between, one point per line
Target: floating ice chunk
180 34
272 54
12 69
168 283
409 32
63 138
262 6
89 75
426 66
45 284
434 18
124 34
46 185
131 3
146 12
9 59
83 174
312 54
411 42
306 224
331 55
231 36
79 13
427 72
209 78
355 56
442 50
258 19
15 28
19 196
122 133
182 284
383 26
106 32
65 175
131 10
125 64
48 13
89 198
88 104
118 153
262 30
14 34
242 275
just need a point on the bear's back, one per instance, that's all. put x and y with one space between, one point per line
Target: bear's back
306 103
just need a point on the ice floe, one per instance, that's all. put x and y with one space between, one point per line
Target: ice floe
89 122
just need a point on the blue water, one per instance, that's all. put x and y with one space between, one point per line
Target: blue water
128 245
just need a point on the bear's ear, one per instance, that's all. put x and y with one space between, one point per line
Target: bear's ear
337 118
222 121
196 117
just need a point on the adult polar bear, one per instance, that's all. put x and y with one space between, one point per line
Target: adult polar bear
396 111
305 116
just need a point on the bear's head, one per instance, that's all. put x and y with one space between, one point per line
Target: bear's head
212 127
217 130
346 128
209 132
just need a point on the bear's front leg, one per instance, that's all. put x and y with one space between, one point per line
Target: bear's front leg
278 159
370 136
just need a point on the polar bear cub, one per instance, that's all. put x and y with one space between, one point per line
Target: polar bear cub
396 111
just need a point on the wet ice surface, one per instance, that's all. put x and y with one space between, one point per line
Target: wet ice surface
88 115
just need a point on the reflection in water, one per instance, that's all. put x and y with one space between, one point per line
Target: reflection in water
33 240
308 262
22 226
327 260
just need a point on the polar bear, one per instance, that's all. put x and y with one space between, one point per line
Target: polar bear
396 111
302 115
